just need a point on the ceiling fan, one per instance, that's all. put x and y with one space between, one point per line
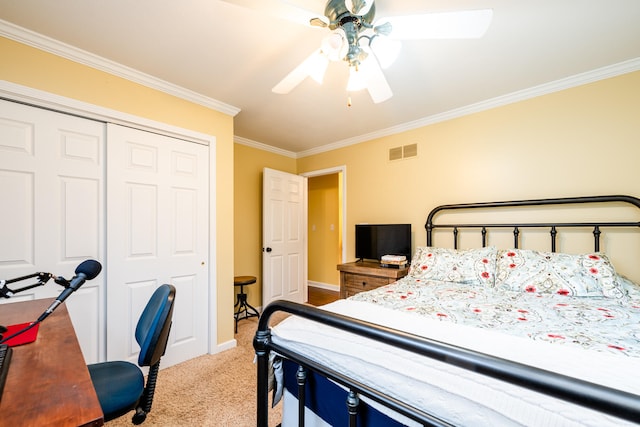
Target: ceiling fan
366 47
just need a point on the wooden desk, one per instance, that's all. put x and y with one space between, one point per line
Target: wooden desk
48 381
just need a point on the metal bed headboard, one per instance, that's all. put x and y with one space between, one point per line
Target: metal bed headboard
552 226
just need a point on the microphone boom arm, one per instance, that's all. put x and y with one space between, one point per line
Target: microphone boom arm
6 292
87 270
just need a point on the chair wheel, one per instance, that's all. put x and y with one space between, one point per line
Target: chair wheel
139 418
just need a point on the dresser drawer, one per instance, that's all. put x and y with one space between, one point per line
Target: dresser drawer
360 276
355 283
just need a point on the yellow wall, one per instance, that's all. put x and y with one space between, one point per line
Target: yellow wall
324 229
580 141
34 68
248 165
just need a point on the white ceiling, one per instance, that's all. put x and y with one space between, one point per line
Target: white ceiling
235 55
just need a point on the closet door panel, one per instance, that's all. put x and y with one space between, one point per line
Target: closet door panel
17 229
52 186
158 222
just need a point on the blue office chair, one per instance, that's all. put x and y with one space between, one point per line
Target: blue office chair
120 385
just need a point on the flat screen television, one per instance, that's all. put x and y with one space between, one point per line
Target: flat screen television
375 240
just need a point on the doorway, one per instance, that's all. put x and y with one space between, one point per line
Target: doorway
326 227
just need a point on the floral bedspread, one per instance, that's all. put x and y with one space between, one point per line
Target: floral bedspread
595 323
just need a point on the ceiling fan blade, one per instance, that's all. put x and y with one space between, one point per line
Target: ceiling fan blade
291 10
466 24
314 66
375 81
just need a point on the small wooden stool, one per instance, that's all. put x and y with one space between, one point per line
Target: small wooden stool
241 303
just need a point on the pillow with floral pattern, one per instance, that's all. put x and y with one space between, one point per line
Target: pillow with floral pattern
469 266
629 287
583 275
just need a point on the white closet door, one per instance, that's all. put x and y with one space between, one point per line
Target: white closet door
52 216
157 232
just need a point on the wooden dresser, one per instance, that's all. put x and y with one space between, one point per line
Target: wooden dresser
362 276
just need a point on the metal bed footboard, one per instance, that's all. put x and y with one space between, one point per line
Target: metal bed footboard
613 402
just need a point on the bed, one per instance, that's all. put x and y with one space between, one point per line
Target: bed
476 334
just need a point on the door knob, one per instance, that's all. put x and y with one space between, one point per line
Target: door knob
268 249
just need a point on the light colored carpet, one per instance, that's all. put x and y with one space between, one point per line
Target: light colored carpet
211 390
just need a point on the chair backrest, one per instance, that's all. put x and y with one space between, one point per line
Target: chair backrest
152 331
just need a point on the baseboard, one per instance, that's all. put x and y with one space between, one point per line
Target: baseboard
320 285
228 345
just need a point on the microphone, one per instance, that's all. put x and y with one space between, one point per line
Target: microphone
87 270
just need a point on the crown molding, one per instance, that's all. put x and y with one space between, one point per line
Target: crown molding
22 35
522 95
264 147
47 44
38 98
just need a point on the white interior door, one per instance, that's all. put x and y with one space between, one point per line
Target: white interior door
284 237
157 198
52 193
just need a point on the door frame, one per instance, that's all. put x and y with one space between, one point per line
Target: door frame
331 171
38 98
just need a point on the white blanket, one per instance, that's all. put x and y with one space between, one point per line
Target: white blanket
455 394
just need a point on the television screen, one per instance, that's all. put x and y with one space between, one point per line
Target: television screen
375 240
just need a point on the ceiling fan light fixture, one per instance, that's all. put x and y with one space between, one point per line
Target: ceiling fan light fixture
383 29
368 49
335 45
357 79
358 7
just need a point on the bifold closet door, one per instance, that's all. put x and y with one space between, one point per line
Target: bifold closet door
52 196
157 232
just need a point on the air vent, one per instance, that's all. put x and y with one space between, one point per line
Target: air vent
395 153
410 150
406 151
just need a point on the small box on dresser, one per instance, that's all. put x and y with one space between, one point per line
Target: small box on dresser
363 276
